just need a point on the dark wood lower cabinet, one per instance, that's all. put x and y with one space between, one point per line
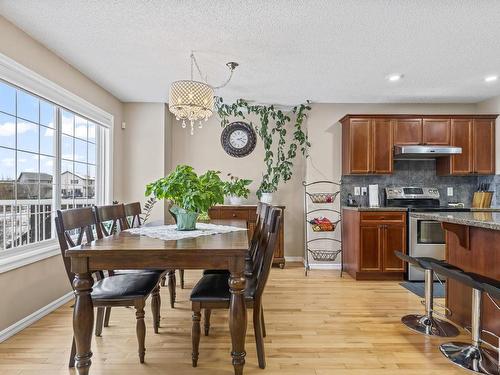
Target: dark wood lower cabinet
369 239
249 213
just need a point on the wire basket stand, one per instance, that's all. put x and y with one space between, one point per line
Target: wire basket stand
327 200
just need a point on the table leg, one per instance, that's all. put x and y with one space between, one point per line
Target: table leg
83 321
238 318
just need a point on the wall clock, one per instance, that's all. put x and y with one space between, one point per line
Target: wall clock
238 139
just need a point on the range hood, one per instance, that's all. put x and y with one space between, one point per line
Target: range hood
424 152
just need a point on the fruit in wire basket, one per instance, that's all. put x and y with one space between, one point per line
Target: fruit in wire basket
322 224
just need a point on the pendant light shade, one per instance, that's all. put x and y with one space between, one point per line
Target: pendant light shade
191 101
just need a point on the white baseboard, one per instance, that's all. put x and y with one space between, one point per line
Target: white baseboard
315 266
324 266
37 315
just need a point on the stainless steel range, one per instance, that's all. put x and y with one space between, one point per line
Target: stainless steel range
425 237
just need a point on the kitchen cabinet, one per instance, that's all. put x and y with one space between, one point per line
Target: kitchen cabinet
408 131
367 146
436 131
249 214
368 141
476 137
369 240
483 146
422 131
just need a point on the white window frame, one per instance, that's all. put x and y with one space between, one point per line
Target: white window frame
18 75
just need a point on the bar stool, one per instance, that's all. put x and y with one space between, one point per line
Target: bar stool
427 324
472 356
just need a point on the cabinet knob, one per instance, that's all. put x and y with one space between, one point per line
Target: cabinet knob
234 215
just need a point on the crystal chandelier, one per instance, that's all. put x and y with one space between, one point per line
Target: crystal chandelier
193 101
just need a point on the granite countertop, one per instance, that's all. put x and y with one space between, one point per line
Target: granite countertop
481 219
355 208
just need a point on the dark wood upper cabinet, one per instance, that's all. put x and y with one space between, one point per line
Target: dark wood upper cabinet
382 142
359 142
367 146
476 137
483 146
408 131
368 141
435 131
461 136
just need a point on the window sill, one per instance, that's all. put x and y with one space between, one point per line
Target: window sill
24 257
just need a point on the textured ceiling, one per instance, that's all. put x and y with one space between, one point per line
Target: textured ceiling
289 51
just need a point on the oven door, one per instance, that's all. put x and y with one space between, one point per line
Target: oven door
427 239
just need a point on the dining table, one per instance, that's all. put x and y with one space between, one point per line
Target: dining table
224 251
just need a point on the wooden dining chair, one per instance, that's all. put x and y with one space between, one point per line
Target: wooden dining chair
133 213
119 290
262 211
212 291
110 220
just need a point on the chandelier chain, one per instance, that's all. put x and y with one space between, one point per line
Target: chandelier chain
194 63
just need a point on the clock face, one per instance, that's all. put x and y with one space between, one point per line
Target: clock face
238 139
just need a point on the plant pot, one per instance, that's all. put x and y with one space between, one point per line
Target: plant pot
185 220
235 201
266 198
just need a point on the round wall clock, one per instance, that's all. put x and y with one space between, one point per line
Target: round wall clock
238 139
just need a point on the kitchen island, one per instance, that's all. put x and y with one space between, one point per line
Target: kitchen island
472 244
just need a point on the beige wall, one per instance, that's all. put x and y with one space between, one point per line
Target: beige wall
492 106
203 151
34 286
144 145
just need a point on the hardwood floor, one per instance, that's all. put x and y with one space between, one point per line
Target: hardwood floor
317 325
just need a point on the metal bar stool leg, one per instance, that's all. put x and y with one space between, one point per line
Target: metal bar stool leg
427 324
473 356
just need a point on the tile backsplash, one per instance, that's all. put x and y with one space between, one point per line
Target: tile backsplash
420 173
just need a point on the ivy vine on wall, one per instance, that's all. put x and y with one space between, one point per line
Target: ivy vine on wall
272 129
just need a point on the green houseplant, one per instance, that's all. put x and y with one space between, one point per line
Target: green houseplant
282 135
236 189
190 194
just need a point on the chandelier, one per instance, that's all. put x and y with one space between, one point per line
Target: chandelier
193 101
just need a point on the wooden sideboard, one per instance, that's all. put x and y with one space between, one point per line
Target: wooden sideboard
249 213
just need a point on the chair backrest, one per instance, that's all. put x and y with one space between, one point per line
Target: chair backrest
71 227
113 215
262 211
269 243
133 212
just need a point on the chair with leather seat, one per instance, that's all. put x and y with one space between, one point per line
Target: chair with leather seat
112 219
119 290
133 213
472 356
426 324
212 291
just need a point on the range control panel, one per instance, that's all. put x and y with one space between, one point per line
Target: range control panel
411 193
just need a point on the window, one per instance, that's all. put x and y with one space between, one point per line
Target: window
50 158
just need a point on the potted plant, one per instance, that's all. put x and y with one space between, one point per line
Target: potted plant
267 189
236 189
191 194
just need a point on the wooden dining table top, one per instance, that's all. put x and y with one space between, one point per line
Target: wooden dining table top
128 244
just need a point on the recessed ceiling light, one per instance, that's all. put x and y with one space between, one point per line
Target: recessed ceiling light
490 78
395 77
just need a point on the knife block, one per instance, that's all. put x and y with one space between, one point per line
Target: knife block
482 199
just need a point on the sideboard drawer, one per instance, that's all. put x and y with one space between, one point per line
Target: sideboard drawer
233 214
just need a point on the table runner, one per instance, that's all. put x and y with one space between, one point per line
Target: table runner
170 232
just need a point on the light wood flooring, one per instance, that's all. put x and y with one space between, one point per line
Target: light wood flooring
315 326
